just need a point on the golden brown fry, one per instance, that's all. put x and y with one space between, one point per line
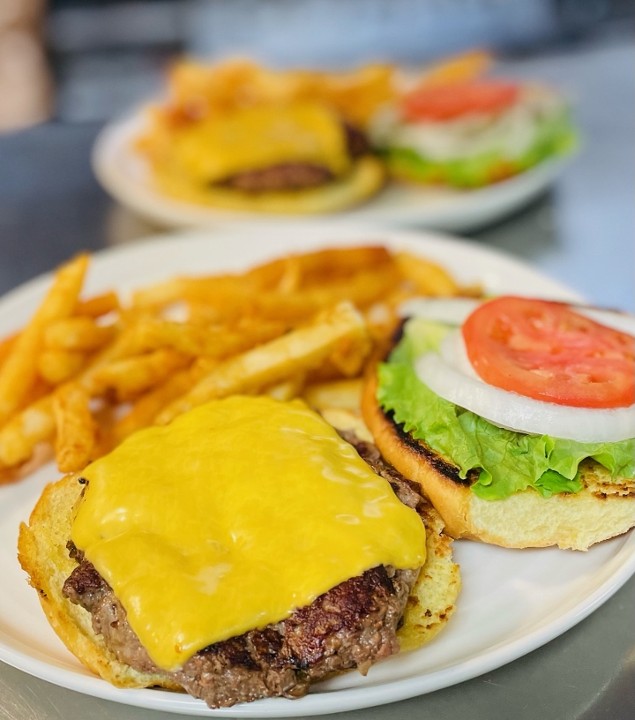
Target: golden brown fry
318 266
19 370
98 305
342 394
198 339
6 344
58 366
19 437
195 90
458 68
148 406
285 327
299 350
282 276
35 423
206 289
129 376
77 334
428 277
286 389
75 428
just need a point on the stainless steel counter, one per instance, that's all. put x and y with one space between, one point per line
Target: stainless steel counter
582 233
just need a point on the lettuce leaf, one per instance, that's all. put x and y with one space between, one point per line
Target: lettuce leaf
557 137
507 461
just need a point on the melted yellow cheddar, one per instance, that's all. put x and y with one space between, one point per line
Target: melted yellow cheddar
258 137
233 516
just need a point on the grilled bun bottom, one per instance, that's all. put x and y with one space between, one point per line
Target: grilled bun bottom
365 179
43 554
603 509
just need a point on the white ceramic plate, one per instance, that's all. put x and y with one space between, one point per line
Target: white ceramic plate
124 174
512 601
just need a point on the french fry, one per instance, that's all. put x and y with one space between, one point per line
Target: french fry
343 394
98 305
267 364
6 345
145 409
77 334
19 370
198 339
458 68
75 428
35 423
428 277
286 389
20 436
298 326
129 376
58 366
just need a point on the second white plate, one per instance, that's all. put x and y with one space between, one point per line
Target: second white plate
125 175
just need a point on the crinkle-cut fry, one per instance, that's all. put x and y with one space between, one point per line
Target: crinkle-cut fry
99 305
80 333
19 370
197 339
297 351
428 277
129 376
75 429
35 423
344 394
58 366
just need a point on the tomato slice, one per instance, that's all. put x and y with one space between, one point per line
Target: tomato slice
547 351
447 102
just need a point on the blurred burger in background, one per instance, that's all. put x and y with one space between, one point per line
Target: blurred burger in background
456 127
242 137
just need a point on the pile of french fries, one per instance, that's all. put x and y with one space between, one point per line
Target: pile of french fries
85 373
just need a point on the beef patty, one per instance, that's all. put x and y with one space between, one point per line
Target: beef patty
350 626
296 175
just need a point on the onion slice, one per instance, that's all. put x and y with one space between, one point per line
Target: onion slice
455 311
450 375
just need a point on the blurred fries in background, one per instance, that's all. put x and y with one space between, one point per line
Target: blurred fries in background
197 90
83 374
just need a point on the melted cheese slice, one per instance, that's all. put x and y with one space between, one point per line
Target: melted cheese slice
259 137
233 516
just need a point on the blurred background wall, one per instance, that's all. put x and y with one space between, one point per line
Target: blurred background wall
105 55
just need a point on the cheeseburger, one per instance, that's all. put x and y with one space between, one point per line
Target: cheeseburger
516 416
244 551
293 157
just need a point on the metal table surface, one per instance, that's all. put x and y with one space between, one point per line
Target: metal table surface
581 233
